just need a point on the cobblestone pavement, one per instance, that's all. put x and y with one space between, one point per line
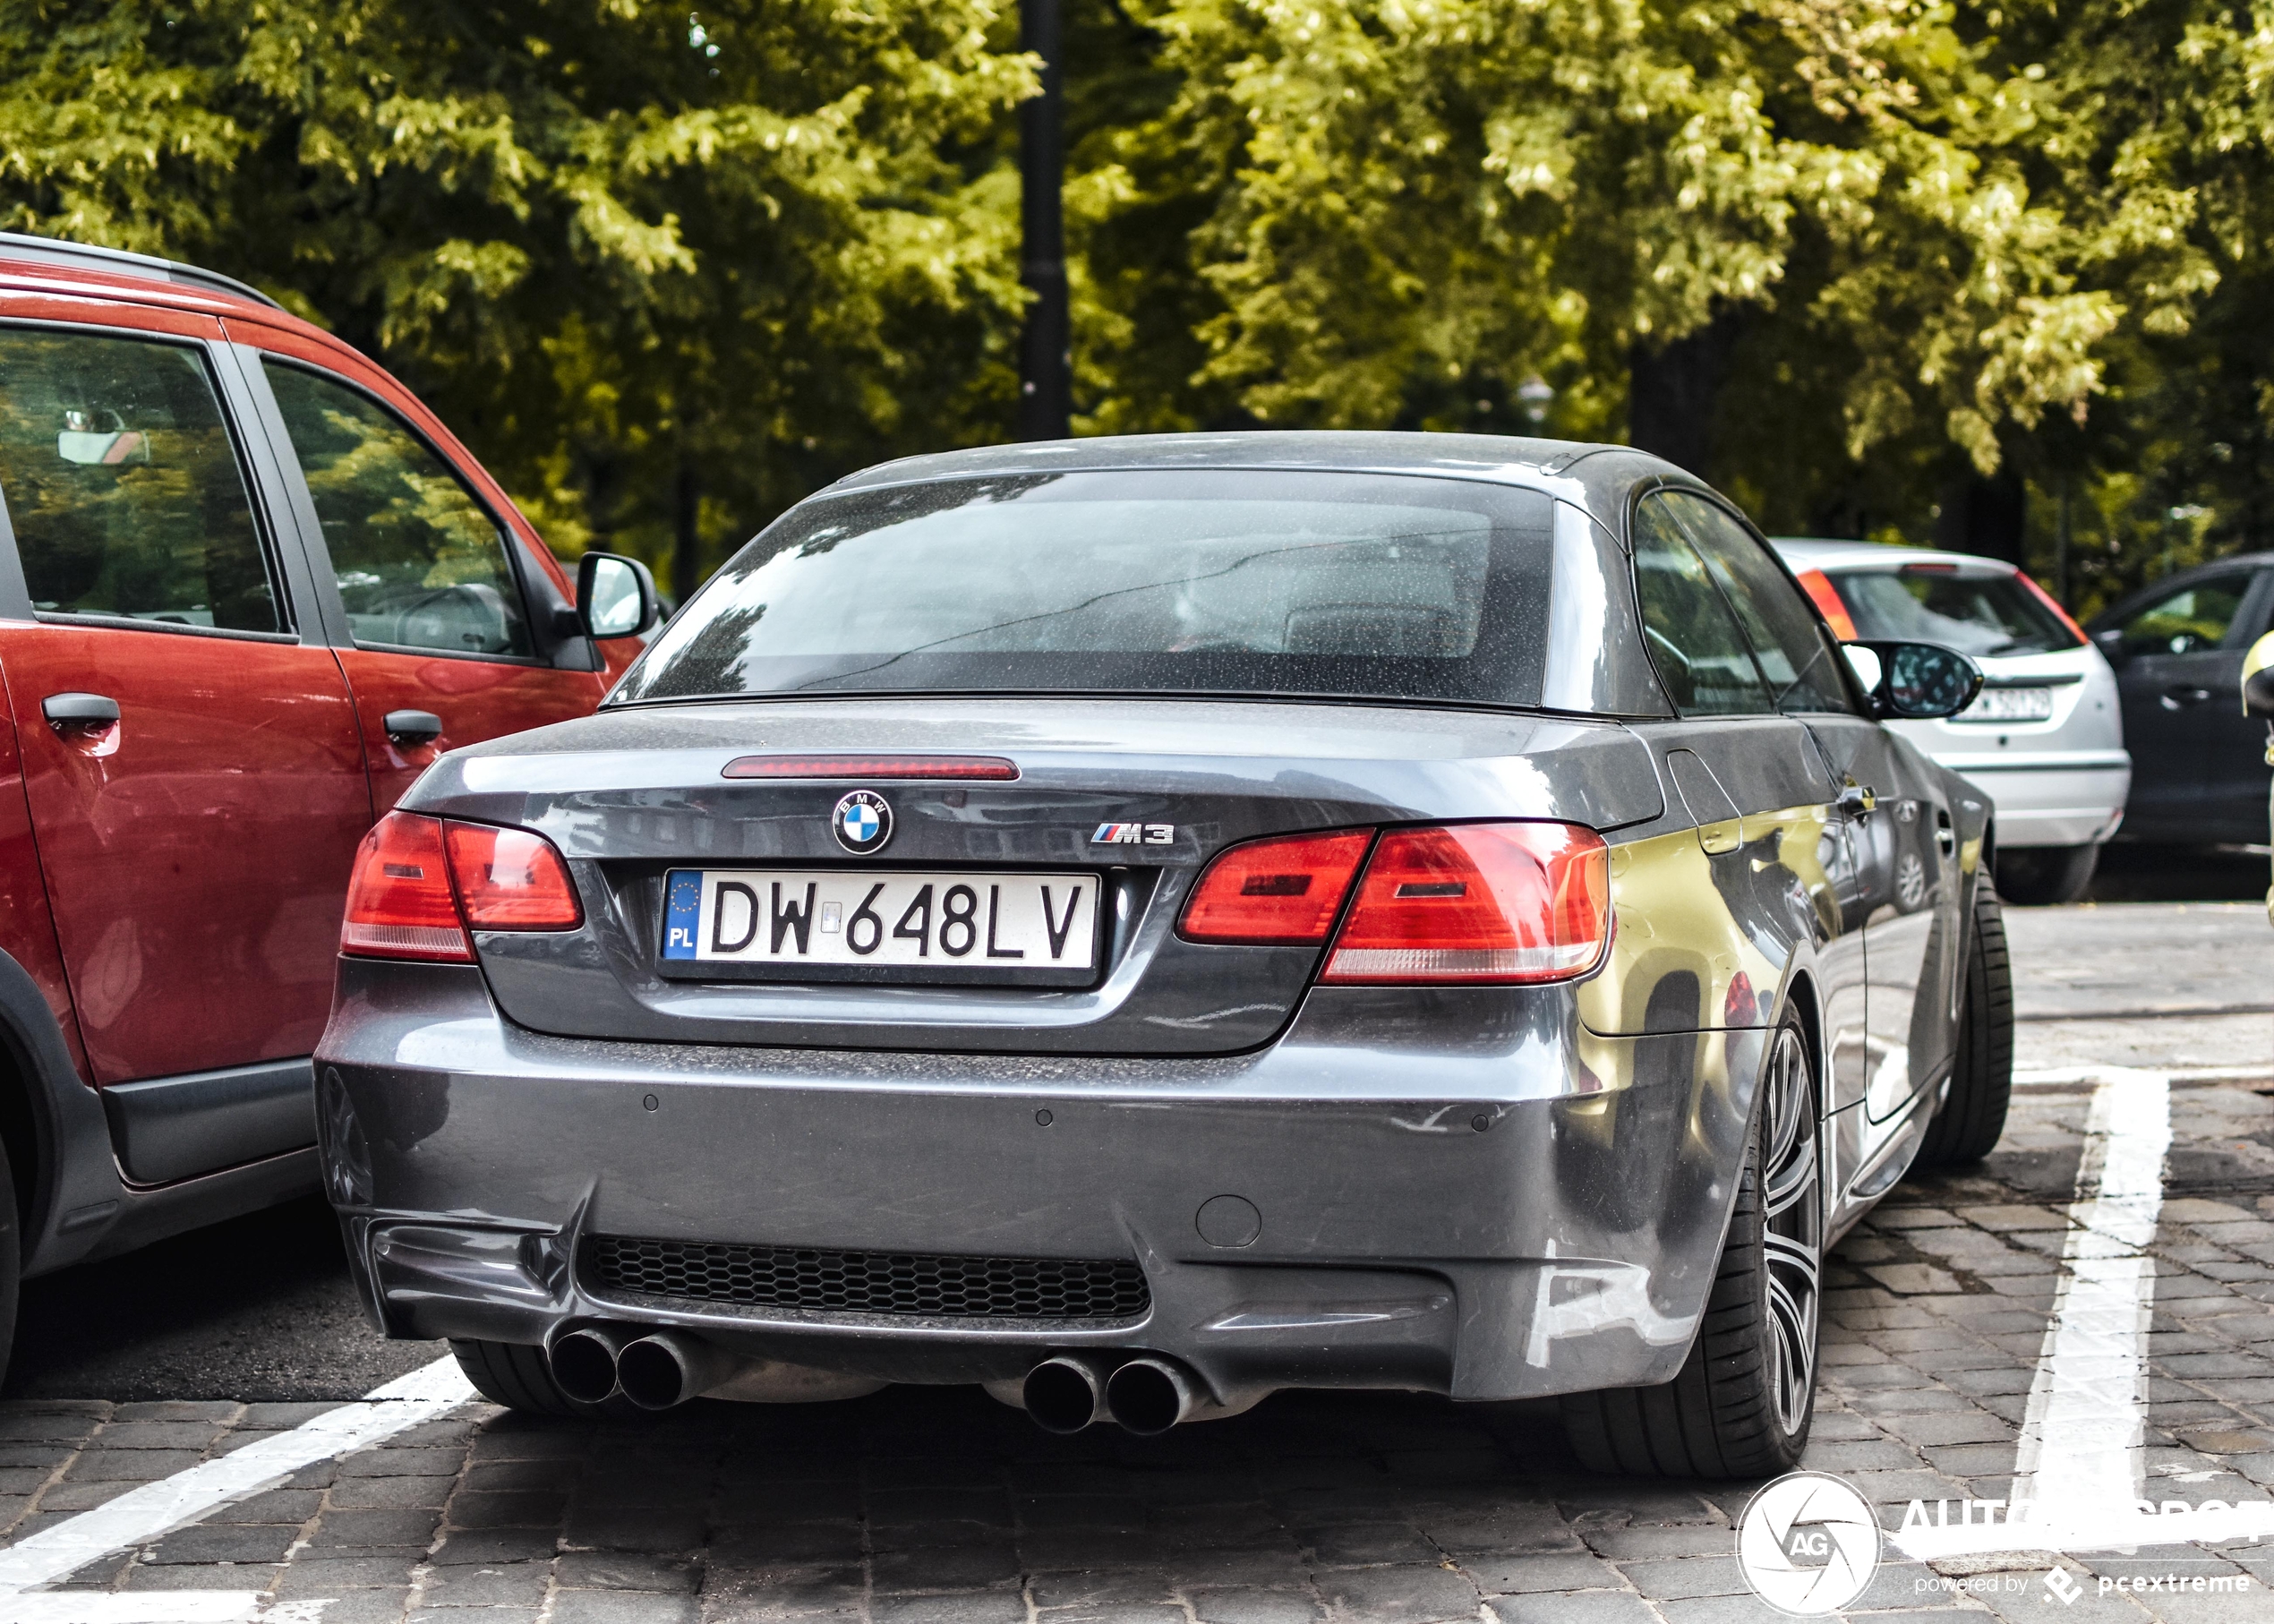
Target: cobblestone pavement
941 1506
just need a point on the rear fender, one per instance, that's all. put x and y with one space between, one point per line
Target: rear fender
75 1192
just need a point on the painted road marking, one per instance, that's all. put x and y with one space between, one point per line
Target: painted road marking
2080 1436
2080 1465
144 1514
2073 1076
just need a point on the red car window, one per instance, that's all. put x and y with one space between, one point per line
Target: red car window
420 563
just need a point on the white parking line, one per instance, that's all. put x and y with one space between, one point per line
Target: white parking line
2079 1471
144 1514
2071 1076
2080 1436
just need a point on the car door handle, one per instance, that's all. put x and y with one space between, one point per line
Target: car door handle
2184 694
1856 800
65 711
409 728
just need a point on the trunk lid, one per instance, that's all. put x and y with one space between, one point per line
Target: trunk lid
634 795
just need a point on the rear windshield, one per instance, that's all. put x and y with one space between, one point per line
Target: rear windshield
1984 612
1180 581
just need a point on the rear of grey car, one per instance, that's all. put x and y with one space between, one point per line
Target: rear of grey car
1121 927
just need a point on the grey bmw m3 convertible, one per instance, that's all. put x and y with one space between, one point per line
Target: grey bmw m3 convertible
1142 923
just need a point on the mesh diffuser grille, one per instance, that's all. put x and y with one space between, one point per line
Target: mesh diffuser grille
868 1282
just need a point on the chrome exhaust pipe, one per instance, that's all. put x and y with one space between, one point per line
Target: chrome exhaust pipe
1066 1392
1149 1396
665 1368
583 1360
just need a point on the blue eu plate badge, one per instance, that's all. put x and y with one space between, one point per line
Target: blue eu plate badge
682 915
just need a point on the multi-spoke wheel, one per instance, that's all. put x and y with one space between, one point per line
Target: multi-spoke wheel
1792 1226
1743 1401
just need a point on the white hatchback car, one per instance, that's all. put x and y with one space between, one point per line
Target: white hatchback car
2045 737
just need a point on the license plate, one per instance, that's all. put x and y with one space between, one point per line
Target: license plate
2011 704
831 925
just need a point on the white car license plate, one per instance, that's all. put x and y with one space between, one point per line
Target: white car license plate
2011 704
1005 926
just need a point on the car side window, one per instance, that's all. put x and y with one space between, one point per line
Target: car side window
2192 620
420 563
1795 655
1693 640
123 485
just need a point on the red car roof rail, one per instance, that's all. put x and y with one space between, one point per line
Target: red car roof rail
118 262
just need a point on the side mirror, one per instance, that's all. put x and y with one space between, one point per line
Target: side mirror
615 596
1916 682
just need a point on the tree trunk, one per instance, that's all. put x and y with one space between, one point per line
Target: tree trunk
687 546
1984 516
1674 391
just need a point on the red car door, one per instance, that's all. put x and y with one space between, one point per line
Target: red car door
193 768
446 610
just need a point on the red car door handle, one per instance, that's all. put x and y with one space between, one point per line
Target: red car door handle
408 728
66 710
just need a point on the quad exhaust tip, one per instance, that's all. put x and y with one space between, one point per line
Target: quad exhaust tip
666 1368
1067 1393
656 1370
1147 1396
583 1360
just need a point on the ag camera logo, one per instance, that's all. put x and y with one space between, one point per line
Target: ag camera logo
1808 1544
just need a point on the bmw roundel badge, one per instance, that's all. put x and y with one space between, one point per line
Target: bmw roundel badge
863 822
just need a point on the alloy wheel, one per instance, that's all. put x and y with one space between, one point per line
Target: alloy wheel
1793 1189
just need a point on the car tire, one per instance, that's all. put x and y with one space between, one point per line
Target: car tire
1743 1402
2044 876
1981 1081
518 1378
11 1262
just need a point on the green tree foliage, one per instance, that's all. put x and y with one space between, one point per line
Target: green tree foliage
1855 255
1875 266
643 259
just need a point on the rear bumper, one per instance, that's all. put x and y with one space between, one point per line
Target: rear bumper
2051 801
1567 1244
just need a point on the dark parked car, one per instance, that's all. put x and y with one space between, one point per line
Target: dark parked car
249 589
2199 769
1142 923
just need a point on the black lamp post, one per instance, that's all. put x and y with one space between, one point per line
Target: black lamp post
1046 360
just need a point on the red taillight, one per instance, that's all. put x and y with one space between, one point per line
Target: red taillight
1283 892
407 900
509 879
994 767
1478 902
398 902
1825 596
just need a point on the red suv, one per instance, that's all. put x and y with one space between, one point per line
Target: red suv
249 589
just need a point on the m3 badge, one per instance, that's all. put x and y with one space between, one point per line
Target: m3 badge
1135 834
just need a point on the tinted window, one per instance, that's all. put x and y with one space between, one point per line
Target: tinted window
421 564
123 486
1975 611
2189 621
1140 582
1693 636
1794 653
